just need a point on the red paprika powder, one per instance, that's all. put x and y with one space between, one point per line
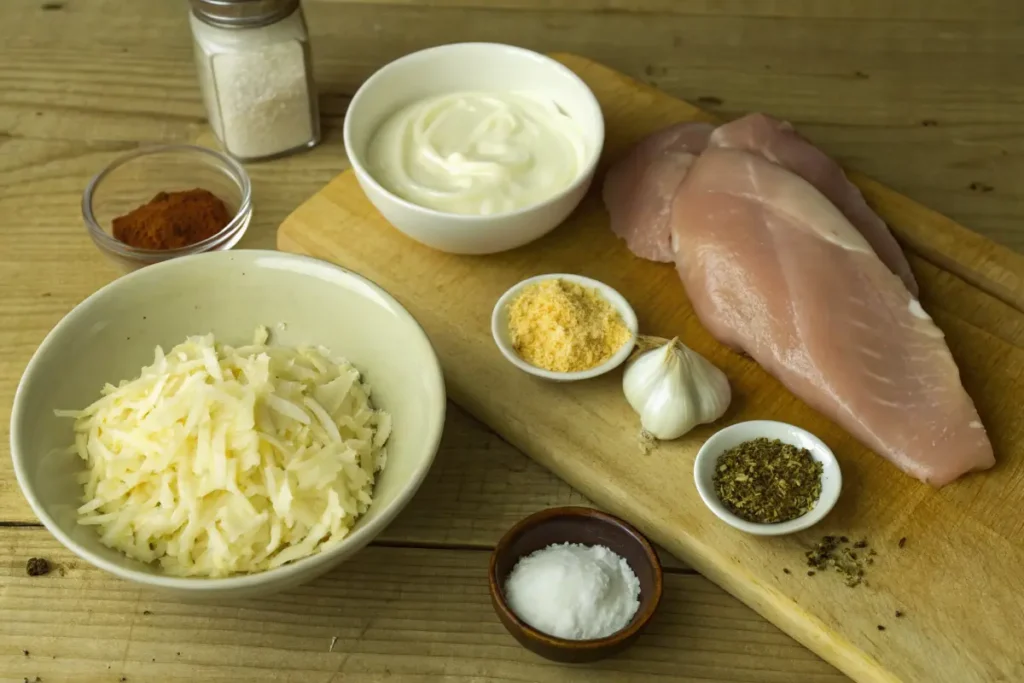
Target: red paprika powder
172 220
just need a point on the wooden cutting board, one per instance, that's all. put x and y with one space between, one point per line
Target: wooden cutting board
959 577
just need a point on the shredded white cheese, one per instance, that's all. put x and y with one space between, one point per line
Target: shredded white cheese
220 460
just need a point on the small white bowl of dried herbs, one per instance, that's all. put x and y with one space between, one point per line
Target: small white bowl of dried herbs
767 478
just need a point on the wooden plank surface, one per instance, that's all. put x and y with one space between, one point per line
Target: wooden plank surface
860 77
397 613
587 434
84 80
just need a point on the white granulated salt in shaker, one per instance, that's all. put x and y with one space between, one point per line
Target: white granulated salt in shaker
255 73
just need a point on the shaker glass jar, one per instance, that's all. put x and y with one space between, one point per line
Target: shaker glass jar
255 73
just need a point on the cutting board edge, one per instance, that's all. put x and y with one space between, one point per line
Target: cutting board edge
826 642
989 266
774 606
798 624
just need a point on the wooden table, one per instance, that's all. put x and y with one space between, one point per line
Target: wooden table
924 95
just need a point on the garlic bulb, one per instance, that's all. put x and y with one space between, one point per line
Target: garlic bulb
673 389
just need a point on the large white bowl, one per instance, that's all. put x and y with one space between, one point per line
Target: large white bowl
111 335
470 66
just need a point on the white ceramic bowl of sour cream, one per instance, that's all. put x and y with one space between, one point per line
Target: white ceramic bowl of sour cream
467 67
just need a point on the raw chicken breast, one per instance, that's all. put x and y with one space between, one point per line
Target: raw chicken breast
638 189
773 268
779 143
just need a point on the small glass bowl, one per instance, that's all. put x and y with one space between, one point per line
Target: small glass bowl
135 178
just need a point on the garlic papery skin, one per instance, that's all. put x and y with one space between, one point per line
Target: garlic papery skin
673 389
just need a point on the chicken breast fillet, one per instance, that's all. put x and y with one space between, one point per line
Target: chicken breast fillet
777 142
773 268
639 188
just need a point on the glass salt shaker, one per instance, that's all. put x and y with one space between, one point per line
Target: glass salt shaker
256 76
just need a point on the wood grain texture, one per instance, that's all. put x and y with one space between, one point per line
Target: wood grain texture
924 95
397 613
866 79
794 9
586 433
995 269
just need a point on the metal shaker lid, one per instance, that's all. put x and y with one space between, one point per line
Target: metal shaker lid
243 13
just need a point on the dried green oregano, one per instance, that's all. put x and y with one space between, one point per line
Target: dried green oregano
766 481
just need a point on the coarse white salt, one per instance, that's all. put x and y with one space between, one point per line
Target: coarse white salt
574 591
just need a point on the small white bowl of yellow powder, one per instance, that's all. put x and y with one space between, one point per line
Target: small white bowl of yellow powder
564 327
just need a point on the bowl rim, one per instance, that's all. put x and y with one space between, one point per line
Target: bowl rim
636 624
118 247
820 451
206 585
361 169
609 293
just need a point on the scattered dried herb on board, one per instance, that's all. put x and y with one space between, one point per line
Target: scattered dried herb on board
172 220
37 566
837 553
563 326
767 481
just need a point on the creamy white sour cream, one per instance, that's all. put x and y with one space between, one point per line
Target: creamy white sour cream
478 153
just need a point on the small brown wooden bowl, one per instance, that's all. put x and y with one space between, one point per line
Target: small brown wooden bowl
589 527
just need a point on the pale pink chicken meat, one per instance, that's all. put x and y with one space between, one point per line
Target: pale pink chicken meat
777 142
773 268
639 188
